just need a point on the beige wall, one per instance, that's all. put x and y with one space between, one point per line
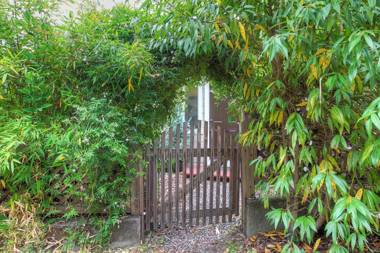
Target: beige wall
74 6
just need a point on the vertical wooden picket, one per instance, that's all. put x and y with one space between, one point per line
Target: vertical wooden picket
184 155
224 178
177 165
231 181
211 197
191 157
218 170
205 169
170 177
198 192
162 154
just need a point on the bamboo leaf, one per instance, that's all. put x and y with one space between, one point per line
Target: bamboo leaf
242 31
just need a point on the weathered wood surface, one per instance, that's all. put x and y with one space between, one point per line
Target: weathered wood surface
192 176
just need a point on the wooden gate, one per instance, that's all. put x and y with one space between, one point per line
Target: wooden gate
192 177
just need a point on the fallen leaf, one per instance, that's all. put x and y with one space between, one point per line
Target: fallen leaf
307 248
278 247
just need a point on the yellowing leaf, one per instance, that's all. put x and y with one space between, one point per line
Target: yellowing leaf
321 51
257 92
130 86
246 45
244 138
302 104
359 194
314 71
229 43
305 195
242 31
216 24
325 166
316 244
259 27
249 72
272 117
247 91
61 158
359 84
324 61
1 97
237 45
280 118
2 183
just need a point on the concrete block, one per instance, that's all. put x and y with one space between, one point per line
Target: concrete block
127 233
256 221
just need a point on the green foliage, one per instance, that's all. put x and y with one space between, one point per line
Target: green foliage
307 72
77 98
77 102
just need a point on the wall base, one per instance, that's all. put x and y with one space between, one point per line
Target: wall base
126 233
255 220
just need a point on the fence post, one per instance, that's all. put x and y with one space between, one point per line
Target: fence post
248 184
137 196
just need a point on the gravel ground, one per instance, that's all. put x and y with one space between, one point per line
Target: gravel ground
210 238
205 239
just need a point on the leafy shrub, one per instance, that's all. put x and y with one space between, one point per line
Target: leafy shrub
77 101
305 74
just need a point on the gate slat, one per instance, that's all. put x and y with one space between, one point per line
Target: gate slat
170 176
232 176
205 169
198 171
238 177
236 180
162 153
155 185
224 189
177 132
141 200
191 172
147 156
218 164
211 195
184 155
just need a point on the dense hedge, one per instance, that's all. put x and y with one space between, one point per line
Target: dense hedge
76 101
76 97
306 74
